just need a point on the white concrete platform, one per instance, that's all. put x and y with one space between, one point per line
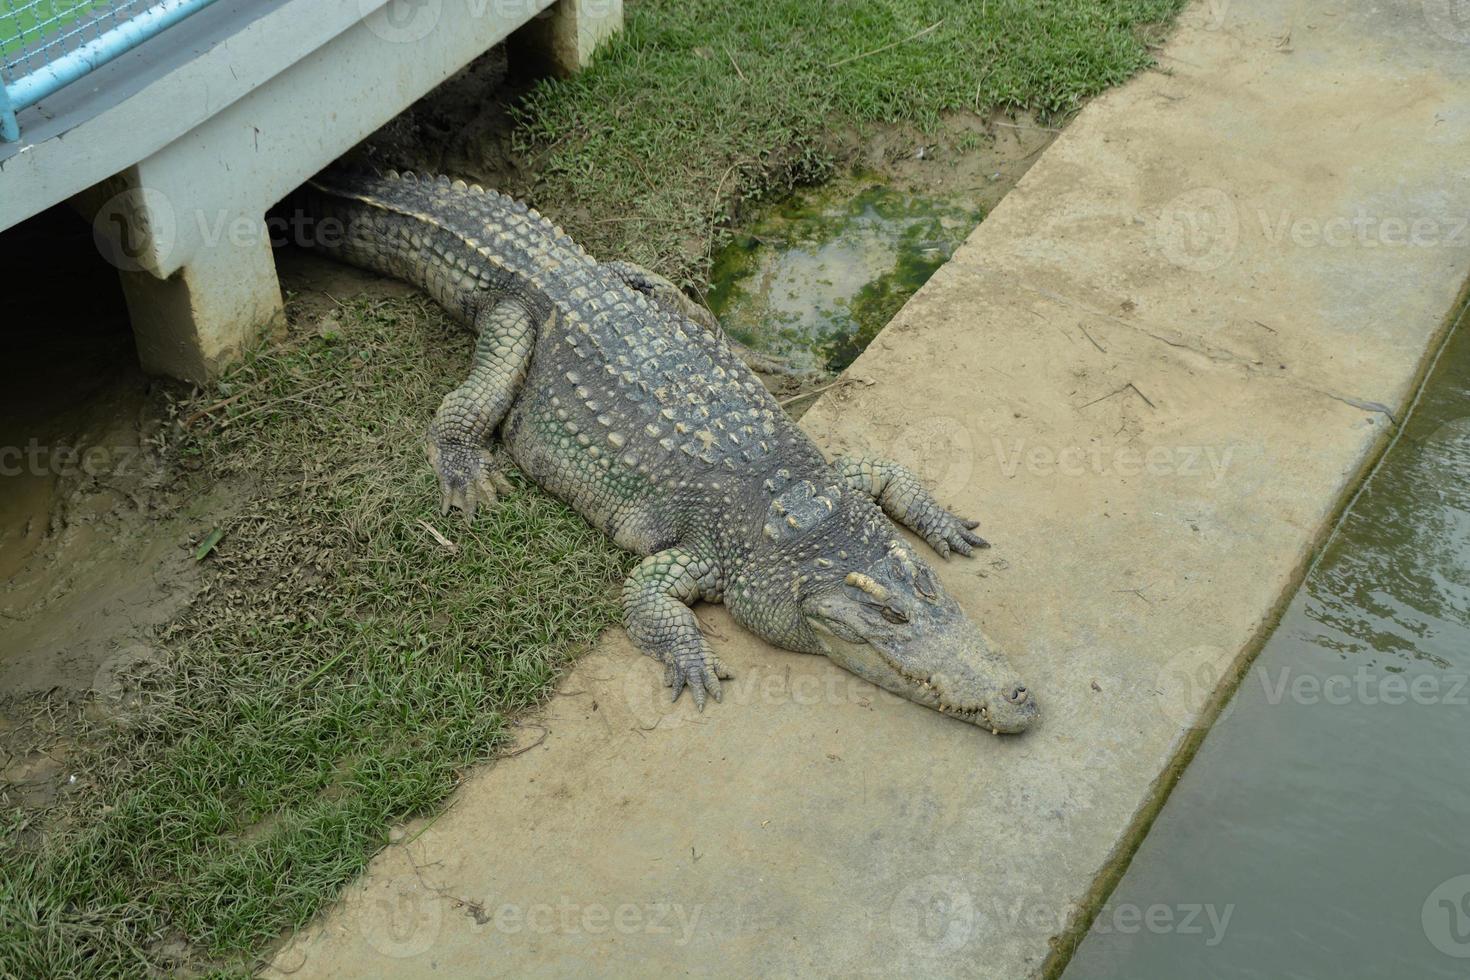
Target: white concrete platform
179 147
1154 372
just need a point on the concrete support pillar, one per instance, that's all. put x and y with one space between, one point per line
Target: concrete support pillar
563 37
196 270
194 322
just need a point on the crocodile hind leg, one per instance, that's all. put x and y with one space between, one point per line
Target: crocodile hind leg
656 600
664 293
903 498
459 436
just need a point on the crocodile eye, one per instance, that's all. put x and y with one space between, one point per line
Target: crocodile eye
894 615
924 582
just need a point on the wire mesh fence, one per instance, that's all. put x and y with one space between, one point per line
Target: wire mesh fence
36 32
46 44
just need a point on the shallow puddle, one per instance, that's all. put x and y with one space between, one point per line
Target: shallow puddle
816 277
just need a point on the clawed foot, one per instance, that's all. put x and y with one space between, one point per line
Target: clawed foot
950 533
700 671
467 475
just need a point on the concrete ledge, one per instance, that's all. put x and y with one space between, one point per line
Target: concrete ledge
216 120
1154 372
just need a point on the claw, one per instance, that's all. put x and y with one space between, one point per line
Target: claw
701 676
467 477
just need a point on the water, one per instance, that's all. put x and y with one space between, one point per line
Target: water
1328 813
815 278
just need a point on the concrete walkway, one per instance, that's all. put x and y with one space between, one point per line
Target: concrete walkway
1154 372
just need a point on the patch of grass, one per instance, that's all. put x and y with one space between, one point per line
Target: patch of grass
338 671
28 25
702 107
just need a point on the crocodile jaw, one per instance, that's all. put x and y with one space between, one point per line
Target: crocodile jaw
963 679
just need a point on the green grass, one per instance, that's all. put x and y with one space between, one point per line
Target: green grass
340 668
338 672
703 107
22 27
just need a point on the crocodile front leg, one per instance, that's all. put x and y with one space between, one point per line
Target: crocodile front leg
903 498
459 436
656 600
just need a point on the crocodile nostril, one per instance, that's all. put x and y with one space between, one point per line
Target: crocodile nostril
1017 695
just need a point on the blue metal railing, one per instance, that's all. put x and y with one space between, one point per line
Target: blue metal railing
47 44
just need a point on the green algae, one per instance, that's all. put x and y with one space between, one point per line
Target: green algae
818 275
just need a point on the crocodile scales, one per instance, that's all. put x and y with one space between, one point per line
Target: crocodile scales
620 396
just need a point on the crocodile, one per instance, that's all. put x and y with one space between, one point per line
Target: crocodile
619 395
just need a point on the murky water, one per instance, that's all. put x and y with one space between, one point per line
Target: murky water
818 276
1326 819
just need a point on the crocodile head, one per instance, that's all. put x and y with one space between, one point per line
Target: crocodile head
891 623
